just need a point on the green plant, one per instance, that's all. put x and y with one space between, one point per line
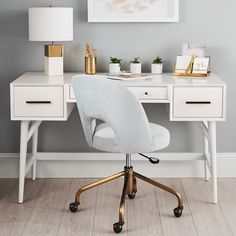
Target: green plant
115 60
135 60
158 60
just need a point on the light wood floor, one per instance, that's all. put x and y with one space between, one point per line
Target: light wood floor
46 213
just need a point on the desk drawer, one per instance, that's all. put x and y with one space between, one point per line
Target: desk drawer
149 92
38 101
205 102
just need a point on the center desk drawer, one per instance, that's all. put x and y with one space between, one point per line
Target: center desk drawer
38 101
206 102
159 93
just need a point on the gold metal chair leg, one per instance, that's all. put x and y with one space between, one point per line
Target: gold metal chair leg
118 226
132 183
130 187
159 185
135 184
122 201
95 184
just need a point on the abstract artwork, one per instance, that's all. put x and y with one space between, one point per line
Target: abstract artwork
133 10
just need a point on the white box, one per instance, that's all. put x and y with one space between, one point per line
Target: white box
53 66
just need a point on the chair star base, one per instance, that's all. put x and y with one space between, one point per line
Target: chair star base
130 189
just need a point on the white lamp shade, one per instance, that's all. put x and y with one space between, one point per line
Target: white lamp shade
51 24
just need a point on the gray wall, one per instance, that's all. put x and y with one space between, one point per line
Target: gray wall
209 22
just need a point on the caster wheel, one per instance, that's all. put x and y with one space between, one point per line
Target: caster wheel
117 227
178 211
131 196
74 207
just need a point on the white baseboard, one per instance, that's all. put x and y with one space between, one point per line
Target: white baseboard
92 165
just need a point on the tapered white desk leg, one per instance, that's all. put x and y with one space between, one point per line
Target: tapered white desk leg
206 152
212 135
34 152
23 155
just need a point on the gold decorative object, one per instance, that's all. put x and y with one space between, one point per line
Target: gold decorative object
90 60
130 189
189 71
53 50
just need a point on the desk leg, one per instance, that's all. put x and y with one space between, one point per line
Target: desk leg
34 152
212 135
23 155
205 152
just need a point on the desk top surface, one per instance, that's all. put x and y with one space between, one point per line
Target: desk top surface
166 79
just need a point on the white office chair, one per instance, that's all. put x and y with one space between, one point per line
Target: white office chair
125 129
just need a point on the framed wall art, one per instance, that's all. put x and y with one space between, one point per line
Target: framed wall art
133 10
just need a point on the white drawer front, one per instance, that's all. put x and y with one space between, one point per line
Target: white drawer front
198 102
149 92
38 101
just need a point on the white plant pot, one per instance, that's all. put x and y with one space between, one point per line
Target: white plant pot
136 68
114 68
157 68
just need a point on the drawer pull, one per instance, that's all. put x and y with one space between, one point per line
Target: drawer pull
146 93
38 102
198 102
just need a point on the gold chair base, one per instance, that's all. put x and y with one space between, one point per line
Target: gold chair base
130 189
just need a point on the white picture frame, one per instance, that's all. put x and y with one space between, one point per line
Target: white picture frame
129 11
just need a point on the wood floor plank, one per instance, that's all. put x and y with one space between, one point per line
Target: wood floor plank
81 222
15 216
45 211
227 201
143 212
3 189
107 208
171 225
46 215
208 217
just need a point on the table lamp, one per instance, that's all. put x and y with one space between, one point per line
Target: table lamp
51 24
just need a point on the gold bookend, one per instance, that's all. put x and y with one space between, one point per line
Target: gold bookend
188 72
191 74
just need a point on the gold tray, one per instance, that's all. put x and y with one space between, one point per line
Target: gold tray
191 74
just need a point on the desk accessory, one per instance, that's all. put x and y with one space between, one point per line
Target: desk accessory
90 60
192 66
130 77
114 66
125 73
193 49
136 66
200 65
51 24
157 66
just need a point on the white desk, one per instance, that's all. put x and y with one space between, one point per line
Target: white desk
36 98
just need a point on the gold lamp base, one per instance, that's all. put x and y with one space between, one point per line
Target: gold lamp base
130 189
53 50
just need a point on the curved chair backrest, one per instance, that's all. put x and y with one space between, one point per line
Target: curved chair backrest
101 98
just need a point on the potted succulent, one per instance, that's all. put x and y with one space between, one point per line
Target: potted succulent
157 66
135 66
114 66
